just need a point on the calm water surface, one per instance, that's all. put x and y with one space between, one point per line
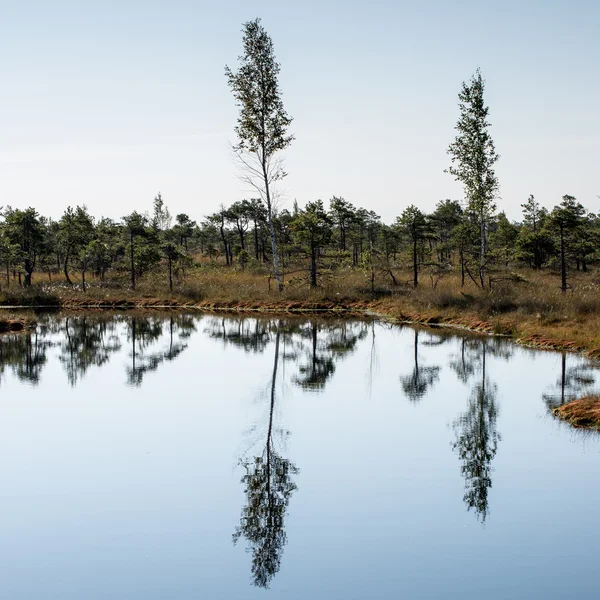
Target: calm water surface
171 456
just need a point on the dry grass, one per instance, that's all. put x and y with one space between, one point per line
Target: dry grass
584 412
531 308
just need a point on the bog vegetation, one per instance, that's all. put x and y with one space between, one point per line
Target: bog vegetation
465 254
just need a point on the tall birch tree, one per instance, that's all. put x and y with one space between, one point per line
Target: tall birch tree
473 157
262 125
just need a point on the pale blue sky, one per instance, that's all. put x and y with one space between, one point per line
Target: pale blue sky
106 103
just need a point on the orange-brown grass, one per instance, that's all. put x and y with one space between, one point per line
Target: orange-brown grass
584 412
533 309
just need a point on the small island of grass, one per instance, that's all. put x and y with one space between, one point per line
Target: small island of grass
584 412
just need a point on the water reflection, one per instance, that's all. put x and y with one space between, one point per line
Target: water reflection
320 462
88 341
268 486
306 355
251 335
143 332
82 341
320 354
573 382
313 346
418 382
464 363
25 354
477 439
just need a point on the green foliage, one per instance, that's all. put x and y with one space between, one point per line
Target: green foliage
503 238
312 229
161 217
473 157
413 224
262 122
262 125
25 238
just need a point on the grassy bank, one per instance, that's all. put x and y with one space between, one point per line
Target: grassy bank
583 413
530 308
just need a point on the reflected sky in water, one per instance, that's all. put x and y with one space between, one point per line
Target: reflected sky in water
168 455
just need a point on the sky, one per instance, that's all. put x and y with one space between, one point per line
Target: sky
108 103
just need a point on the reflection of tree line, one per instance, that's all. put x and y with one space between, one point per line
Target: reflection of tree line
312 349
24 354
89 340
143 333
314 346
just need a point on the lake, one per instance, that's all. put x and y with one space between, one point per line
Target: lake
169 455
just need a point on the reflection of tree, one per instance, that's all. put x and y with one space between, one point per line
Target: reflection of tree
339 340
268 487
464 364
573 382
145 331
477 441
319 366
88 341
416 384
24 354
252 335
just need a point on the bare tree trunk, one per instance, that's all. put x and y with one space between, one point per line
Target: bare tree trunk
271 225
415 265
272 409
275 254
66 269
256 249
563 378
132 264
563 264
372 266
483 250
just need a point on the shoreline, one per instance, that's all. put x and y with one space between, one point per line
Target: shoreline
540 339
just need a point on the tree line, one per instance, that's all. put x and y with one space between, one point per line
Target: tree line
314 242
307 244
